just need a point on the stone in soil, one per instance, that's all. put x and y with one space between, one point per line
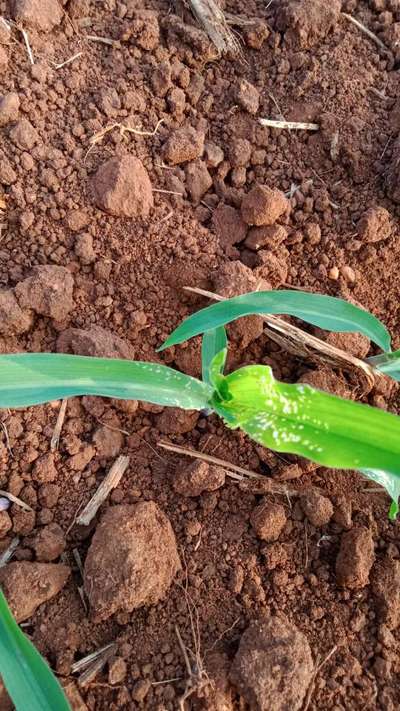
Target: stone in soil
44 469
122 187
218 696
132 559
247 96
355 344
255 33
229 226
273 666
142 30
83 248
108 442
213 154
8 176
5 523
307 22
24 135
49 543
267 236
13 319
317 508
374 225
37 14
176 421
268 520
385 585
9 108
183 145
196 477
263 205
95 341
28 585
239 152
355 558
49 292
161 79
326 380
273 266
198 180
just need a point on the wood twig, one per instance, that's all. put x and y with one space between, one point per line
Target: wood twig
54 442
365 30
213 460
214 22
291 125
15 500
9 552
110 481
92 663
68 61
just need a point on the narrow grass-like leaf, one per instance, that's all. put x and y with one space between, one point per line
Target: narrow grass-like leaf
298 419
326 312
213 353
27 677
30 379
390 482
388 363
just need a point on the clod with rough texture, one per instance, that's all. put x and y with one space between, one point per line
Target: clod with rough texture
28 585
132 559
355 558
273 666
122 187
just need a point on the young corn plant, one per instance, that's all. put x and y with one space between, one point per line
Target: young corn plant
288 418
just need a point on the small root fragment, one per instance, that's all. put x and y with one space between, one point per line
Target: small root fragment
291 125
57 429
365 29
111 480
214 22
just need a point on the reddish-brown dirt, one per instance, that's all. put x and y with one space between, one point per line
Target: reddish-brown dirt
99 233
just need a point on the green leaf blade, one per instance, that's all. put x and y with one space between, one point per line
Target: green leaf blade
31 379
387 363
296 418
390 482
213 354
27 677
326 312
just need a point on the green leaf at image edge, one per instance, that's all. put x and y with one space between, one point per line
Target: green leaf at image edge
387 363
388 481
30 379
297 419
28 679
326 312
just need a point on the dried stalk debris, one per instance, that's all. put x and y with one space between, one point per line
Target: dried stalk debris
111 480
215 24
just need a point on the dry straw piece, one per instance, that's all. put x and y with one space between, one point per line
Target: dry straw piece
291 125
111 480
364 29
215 24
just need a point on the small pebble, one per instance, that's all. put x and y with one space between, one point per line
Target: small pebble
333 273
4 503
348 273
